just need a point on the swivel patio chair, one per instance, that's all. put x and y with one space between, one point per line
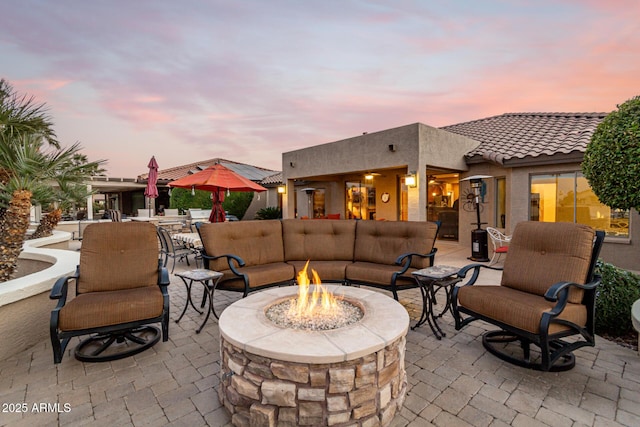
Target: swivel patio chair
120 291
500 243
547 293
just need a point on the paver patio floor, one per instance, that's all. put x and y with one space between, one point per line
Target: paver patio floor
452 382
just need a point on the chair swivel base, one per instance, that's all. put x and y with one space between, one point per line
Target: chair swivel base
510 348
117 345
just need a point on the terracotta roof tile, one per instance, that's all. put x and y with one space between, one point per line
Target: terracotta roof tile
520 135
254 173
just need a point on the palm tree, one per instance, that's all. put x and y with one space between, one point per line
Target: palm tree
33 167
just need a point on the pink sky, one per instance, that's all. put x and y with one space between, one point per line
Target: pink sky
249 80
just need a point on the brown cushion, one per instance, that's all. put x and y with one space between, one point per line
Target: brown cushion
377 274
108 308
318 240
516 308
256 242
118 255
381 242
544 253
259 275
327 270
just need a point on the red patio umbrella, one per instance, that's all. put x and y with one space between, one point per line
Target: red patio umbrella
217 179
151 191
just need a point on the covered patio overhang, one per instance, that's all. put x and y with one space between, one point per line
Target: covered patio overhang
387 156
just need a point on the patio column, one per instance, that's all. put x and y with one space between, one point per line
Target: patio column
289 200
89 202
417 199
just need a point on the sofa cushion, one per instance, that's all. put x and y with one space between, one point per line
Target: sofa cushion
329 271
256 242
377 274
381 242
318 240
259 276
97 309
519 309
541 254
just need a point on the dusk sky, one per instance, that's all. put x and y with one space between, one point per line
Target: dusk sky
249 80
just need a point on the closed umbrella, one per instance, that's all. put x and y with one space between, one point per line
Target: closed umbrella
217 179
151 191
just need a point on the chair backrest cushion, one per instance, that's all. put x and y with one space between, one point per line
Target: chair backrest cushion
118 255
544 253
318 240
381 242
256 242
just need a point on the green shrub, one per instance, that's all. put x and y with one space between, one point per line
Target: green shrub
269 213
182 199
237 203
616 294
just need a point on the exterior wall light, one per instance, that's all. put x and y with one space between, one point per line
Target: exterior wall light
411 180
282 189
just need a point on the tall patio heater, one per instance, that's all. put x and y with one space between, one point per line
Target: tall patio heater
309 192
479 246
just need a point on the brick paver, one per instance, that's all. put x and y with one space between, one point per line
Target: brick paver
452 382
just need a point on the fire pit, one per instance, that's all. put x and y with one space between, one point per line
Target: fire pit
276 375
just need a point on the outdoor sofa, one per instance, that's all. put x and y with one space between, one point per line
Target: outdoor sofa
254 255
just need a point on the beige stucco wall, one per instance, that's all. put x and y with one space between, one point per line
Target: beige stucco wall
394 152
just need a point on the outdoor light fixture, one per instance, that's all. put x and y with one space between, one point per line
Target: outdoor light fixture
411 180
282 189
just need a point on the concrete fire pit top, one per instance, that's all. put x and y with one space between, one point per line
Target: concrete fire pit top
245 325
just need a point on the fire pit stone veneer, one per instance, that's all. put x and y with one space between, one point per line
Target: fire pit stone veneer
350 376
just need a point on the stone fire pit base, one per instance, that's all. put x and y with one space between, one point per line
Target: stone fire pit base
265 392
349 376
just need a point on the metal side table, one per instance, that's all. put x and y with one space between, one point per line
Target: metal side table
430 280
209 279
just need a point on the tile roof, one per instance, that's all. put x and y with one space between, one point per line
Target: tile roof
275 179
254 173
520 135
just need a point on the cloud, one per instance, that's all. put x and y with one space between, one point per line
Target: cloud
250 80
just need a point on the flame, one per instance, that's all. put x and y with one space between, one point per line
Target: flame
318 302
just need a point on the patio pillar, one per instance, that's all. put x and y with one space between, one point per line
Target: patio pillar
288 200
89 202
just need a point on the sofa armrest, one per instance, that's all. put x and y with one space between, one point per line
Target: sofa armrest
233 260
405 259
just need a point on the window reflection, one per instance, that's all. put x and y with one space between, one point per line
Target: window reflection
567 197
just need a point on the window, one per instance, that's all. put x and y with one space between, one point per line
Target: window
567 197
361 200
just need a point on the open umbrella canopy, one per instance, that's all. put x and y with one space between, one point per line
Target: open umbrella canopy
216 178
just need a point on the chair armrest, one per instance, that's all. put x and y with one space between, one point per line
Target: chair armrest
559 293
405 259
462 273
163 275
59 289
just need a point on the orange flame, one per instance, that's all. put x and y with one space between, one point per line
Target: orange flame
318 301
